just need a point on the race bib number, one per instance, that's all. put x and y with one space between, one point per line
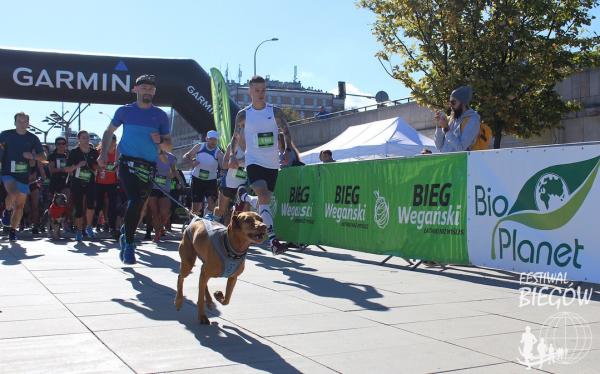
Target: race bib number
110 167
265 139
61 163
241 173
19 167
173 184
160 180
84 175
203 174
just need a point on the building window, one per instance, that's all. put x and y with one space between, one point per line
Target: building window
309 101
286 100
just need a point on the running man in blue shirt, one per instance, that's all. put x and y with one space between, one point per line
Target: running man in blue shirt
145 129
17 147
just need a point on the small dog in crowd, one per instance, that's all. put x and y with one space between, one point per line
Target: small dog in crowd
56 214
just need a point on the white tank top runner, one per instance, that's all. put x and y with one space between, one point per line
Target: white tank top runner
236 177
260 133
208 164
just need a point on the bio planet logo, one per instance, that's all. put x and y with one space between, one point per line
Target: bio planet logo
547 201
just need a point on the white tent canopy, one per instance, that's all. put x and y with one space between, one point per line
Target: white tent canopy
380 139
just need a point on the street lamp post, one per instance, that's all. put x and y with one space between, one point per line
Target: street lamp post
107 116
256 50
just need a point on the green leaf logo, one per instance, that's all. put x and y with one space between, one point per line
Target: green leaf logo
551 198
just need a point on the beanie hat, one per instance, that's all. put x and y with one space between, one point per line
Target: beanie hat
464 94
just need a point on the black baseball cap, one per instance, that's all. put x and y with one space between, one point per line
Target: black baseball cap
146 79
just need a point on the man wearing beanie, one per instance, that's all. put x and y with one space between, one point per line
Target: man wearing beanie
449 136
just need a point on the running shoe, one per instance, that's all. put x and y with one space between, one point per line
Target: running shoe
122 242
277 247
6 217
90 232
129 254
79 236
12 235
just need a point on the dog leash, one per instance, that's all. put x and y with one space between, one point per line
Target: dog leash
188 211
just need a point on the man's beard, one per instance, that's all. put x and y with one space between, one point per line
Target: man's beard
457 112
147 99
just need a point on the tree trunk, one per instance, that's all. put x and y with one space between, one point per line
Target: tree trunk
497 139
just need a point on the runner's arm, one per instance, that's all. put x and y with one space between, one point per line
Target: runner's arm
106 140
238 133
227 157
52 167
191 152
220 159
165 142
40 155
177 175
283 127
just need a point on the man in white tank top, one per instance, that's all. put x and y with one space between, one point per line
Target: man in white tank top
256 129
206 159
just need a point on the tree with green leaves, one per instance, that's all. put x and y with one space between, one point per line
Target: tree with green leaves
512 52
290 114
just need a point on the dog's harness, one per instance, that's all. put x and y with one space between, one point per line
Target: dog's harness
217 234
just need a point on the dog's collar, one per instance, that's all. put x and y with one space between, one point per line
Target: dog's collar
231 253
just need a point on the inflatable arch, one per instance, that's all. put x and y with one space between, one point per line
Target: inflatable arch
81 78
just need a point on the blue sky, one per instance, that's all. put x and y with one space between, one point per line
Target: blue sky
329 41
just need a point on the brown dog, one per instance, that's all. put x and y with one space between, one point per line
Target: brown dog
223 253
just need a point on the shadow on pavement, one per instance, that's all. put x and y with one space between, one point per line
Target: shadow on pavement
472 274
229 341
14 254
300 276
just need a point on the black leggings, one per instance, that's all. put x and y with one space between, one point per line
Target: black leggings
137 189
111 191
78 192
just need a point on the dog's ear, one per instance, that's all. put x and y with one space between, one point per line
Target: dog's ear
235 220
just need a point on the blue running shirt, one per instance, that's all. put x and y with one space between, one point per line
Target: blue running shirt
138 124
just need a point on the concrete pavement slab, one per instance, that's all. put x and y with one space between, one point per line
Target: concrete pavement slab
75 353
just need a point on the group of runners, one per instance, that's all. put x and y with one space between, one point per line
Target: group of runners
114 185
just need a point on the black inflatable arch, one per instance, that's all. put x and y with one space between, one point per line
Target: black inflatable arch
51 76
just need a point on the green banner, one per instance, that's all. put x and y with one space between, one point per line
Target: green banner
296 205
409 207
220 105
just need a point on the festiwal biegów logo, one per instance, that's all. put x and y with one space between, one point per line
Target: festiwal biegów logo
547 201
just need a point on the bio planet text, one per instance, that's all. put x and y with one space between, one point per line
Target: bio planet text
514 245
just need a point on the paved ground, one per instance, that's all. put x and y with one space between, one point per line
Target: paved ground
75 308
